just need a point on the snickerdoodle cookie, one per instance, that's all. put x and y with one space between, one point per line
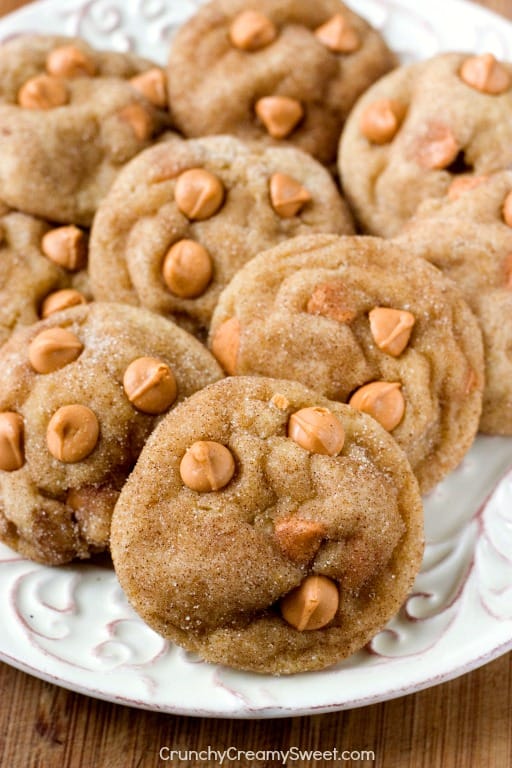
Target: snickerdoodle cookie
267 528
362 321
81 392
275 70
184 216
41 270
70 117
421 127
468 235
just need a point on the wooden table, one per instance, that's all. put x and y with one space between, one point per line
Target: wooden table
464 723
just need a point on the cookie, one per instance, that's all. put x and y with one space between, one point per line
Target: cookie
70 117
81 392
420 128
468 235
41 270
288 70
361 321
184 216
267 528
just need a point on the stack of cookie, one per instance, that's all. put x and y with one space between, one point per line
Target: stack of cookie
214 364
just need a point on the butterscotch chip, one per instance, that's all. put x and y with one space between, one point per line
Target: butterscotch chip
53 349
216 571
463 184
279 114
484 73
383 400
60 300
207 466
152 85
73 432
312 605
43 92
187 269
66 246
199 194
225 344
70 61
139 119
11 442
337 35
331 300
381 120
251 31
317 430
299 538
327 311
150 385
437 147
449 134
507 210
288 197
391 329
59 510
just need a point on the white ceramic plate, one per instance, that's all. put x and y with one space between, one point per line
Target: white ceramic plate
72 625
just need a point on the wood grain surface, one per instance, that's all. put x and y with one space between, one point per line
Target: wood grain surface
465 723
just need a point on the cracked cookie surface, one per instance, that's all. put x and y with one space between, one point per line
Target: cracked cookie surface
469 237
75 411
332 509
68 122
288 70
360 320
218 196
420 128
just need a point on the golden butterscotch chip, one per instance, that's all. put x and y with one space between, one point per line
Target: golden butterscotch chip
462 184
383 400
73 432
391 329
53 349
338 35
380 120
150 385
332 300
251 31
11 441
199 194
299 538
280 401
279 114
152 84
287 195
225 344
317 430
139 119
61 300
43 92
437 147
66 246
70 61
312 605
207 466
187 269
507 210
485 74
